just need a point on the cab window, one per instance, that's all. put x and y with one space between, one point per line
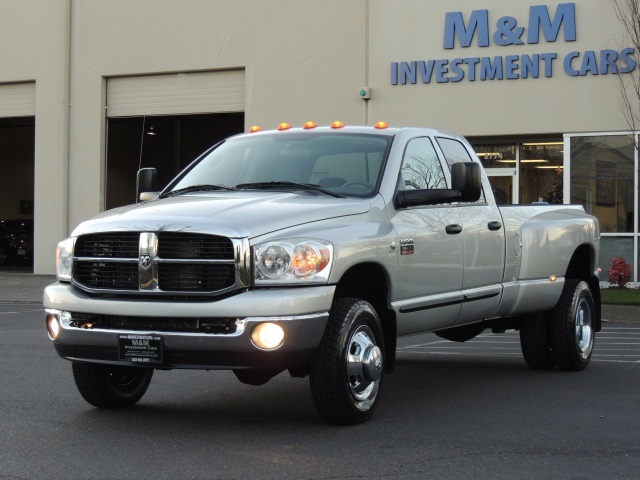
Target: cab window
421 168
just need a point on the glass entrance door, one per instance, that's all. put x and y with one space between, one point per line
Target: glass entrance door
504 185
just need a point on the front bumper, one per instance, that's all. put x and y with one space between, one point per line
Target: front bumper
301 312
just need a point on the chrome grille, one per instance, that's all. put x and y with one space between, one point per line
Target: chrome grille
164 262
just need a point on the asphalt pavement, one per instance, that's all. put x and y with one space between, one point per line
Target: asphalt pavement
24 287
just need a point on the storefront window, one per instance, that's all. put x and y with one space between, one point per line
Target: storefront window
496 155
611 247
602 180
541 172
497 158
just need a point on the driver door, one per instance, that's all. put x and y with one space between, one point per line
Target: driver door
429 246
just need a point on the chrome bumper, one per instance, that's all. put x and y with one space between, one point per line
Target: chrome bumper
302 314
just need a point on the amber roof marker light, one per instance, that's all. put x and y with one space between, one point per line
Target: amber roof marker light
381 125
337 124
309 125
284 126
255 129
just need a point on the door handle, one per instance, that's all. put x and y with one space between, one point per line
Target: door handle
453 229
494 226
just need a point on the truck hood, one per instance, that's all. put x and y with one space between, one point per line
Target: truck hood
230 214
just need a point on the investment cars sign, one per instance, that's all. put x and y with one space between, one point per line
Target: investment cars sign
509 31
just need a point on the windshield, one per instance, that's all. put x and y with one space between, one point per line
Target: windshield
343 163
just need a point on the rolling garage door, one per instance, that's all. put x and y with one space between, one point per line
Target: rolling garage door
17 100
176 94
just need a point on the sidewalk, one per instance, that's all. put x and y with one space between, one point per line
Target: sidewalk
23 287
27 287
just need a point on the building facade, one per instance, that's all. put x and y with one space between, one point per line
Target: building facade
92 90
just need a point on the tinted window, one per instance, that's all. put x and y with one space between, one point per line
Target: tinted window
454 151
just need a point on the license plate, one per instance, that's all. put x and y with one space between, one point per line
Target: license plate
142 349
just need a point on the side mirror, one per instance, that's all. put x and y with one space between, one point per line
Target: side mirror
466 183
146 184
465 177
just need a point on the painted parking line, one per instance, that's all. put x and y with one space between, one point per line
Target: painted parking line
613 344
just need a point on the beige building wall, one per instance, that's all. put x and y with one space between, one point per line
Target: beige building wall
34 47
408 30
302 61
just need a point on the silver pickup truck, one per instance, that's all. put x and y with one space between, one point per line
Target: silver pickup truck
311 250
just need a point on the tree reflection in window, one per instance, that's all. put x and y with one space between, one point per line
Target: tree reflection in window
421 168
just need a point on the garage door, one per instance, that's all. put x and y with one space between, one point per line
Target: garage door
174 94
17 100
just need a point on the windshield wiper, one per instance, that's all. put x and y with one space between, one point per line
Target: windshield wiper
195 188
284 184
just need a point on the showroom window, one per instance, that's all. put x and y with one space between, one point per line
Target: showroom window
524 172
602 181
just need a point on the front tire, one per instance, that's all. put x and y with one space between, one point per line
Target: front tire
573 326
535 340
347 369
107 386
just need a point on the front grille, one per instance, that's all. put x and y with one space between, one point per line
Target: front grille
116 276
144 324
162 263
178 277
108 245
194 246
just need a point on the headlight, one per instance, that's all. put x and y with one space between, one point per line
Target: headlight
294 261
64 259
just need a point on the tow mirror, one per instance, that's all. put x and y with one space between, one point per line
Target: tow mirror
465 176
147 184
466 187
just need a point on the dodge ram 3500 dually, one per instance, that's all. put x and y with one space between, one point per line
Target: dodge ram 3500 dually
311 250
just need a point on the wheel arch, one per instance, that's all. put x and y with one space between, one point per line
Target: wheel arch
370 281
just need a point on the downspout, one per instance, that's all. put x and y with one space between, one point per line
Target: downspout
366 61
65 133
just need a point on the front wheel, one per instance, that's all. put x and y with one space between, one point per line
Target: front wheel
107 386
573 330
348 367
535 340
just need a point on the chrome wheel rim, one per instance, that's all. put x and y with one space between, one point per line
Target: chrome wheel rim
584 331
364 367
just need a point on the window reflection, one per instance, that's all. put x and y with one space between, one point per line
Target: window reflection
541 172
602 179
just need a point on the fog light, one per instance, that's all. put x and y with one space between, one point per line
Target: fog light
267 336
53 327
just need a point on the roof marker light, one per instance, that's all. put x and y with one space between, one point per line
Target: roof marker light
255 129
381 125
337 124
284 126
309 125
